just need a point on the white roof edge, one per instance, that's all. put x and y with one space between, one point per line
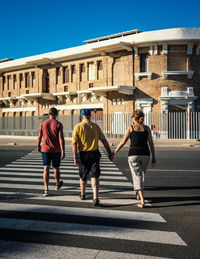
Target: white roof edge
120 34
139 38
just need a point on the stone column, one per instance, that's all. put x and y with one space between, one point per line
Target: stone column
190 106
164 105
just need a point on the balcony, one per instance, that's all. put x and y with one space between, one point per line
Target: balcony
189 74
8 100
127 90
144 74
35 96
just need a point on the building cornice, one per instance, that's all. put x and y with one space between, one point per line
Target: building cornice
125 42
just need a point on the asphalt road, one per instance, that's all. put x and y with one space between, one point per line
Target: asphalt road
172 188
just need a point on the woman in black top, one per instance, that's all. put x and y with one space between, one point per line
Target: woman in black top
139 153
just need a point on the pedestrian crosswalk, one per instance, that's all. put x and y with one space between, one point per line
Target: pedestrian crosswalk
63 226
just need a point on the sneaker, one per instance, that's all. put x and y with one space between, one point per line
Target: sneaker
82 197
46 193
96 202
59 186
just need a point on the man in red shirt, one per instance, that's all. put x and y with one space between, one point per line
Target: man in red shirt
53 148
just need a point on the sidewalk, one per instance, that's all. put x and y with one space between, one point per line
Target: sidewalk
8 140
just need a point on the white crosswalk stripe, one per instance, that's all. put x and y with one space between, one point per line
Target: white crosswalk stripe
24 209
32 250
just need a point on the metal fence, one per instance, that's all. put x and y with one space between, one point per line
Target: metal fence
176 125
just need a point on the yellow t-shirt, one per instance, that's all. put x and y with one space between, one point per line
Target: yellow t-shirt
87 135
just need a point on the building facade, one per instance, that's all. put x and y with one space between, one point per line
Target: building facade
155 71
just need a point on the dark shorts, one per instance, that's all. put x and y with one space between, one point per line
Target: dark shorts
48 157
89 164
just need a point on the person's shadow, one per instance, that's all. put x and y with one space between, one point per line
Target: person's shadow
173 201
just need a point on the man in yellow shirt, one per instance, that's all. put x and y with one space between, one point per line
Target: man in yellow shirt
86 138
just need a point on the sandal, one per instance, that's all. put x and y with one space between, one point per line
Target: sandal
82 196
141 205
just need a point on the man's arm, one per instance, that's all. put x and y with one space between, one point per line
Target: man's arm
62 144
39 139
74 151
107 147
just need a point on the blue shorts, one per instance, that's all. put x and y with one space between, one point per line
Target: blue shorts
48 157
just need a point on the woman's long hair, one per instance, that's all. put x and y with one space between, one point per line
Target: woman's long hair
138 116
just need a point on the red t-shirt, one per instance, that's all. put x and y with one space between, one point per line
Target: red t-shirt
50 132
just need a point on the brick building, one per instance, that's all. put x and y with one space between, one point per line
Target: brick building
156 71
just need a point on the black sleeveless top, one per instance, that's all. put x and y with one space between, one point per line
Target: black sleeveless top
139 145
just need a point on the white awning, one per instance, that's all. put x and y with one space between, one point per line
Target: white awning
6 98
35 96
64 93
80 106
127 90
25 109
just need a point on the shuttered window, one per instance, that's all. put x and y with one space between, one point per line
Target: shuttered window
20 80
144 64
65 75
14 81
4 82
8 82
91 71
27 80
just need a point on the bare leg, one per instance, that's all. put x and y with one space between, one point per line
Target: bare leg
83 185
142 202
95 187
137 195
46 177
57 175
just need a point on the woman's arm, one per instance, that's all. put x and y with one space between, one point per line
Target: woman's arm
123 141
150 140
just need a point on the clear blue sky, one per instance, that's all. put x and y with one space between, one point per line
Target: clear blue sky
30 27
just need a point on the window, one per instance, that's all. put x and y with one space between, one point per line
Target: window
20 80
99 69
73 71
91 85
4 82
32 78
65 88
82 70
144 63
27 80
8 82
46 81
57 74
9 94
14 81
99 65
65 75
91 71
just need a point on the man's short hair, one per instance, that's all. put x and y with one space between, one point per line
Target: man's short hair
53 112
86 112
